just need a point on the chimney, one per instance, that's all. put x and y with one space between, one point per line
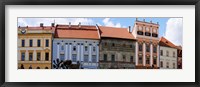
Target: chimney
79 25
151 21
129 29
143 20
157 22
41 24
52 24
136 19
69 24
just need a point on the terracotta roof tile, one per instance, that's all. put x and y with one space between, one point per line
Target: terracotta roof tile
85 32
167 43
113 32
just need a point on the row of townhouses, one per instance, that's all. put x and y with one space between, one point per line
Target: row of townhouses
96 47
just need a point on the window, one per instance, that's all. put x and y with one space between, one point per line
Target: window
38 68
94 59
154 49
161 52
94 49
46 68
148 48
161 63
30 67
86 48
86 58
131 59
140 47
113 44
155 60
140 59
131 46
62 57
105 57
167 53
174 54
124 45
113 58
74 48
30 43
47 43
173 65
38 56
124 58
73 57
105 44
62 47
22 56
30 56
23 43
147 60
46 56
38 43
167 65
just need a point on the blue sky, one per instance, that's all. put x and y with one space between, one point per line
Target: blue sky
170 28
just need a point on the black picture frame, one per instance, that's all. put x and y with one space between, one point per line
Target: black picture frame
98 2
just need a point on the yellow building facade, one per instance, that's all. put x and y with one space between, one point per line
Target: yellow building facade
34 47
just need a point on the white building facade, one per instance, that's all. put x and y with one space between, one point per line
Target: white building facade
168 58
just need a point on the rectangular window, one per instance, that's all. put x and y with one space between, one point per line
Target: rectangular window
23 56
74 48
30 56
62 57
167 65
46 56
140 59
38 43
131 59
86 59
154 49
73 57
30 43
174 65
147 48
154 60
167 53
174 54
86 48
140 47
161 52
113 58
94 59
161 64
47 43
124 58
23 43
38 56
147 60
105 57
94 49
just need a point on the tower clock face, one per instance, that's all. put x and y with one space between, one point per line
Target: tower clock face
23 31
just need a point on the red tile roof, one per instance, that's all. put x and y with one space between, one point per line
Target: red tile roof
38 28
167 43
84 32
113 32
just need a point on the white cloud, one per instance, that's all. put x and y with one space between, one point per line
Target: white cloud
107 22
174 31
48 21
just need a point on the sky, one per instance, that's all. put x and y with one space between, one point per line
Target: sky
170 28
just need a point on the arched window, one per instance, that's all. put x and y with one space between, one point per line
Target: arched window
38 68
46 68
